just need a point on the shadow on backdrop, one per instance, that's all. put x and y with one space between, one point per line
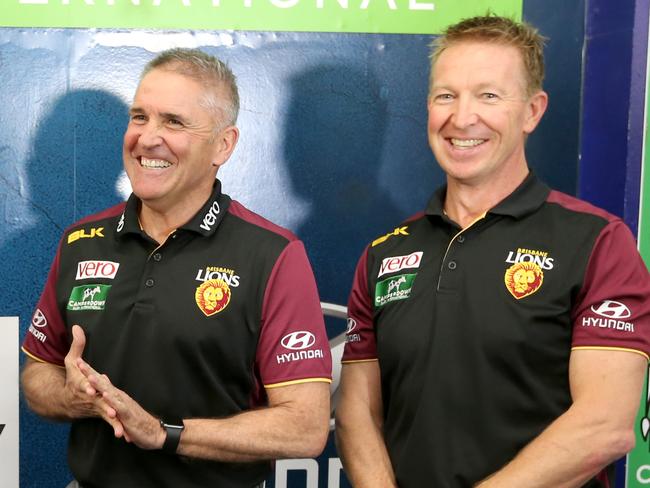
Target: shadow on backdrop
72 168
334 135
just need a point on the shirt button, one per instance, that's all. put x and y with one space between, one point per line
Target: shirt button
461 238
451 265
149 283
157 256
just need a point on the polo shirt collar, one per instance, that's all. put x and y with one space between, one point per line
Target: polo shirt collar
204 222
525 199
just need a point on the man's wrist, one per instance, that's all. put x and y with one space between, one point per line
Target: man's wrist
172 431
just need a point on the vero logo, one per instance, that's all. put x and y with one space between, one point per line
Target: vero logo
96 269
398 263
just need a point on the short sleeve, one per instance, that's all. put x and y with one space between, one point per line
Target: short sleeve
47 337
613 308
293 345
360 342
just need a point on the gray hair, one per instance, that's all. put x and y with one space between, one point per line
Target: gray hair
209 71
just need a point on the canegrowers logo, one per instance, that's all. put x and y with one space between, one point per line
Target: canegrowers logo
88 297
398 263
392 289
611 313
96 269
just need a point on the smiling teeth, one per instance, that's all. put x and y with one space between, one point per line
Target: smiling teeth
154 163
467 142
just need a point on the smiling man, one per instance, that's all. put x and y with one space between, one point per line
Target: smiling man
179 332
499 338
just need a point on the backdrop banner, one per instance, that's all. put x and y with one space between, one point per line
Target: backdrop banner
372 16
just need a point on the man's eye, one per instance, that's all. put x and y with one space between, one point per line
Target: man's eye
444 97
175 122
138 118
489 96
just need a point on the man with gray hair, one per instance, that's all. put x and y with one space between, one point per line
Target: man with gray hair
498 339
179 332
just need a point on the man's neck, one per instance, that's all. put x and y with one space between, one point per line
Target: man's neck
466 203
159 222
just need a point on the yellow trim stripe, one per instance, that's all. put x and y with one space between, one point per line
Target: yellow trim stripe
350 361
606 348
35 358
297 382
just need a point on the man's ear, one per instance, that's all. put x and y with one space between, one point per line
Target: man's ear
536 107
224 144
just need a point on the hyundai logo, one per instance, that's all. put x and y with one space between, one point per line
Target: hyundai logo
298 340
612 310
351 325
39 320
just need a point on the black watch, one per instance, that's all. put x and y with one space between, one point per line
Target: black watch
173 430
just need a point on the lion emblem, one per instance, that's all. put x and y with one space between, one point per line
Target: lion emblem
523 279
212 296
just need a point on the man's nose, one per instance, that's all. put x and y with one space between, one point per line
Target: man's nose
150 134
465 113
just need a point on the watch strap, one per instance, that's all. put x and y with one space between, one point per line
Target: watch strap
173 438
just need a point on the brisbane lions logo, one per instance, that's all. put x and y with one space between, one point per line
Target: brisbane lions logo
523 279
212 296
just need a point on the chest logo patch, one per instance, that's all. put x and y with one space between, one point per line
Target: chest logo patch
523 279
396 288
88 297
212 296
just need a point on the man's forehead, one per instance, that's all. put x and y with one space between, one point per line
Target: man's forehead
477 61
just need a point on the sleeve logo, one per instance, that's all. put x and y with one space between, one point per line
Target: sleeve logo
212 296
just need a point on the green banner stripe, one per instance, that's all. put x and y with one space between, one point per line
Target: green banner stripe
371 16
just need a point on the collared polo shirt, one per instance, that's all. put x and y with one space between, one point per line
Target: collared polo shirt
473 328
198 327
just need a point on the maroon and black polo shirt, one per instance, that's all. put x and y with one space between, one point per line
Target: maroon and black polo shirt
473 328
197 327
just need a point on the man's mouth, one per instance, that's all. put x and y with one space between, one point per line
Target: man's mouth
466 143
154 163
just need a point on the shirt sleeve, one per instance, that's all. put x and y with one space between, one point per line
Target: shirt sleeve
613 308
360 341
47 338
293 345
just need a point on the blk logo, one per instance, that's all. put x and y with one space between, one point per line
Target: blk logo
2 427
298 340
612 310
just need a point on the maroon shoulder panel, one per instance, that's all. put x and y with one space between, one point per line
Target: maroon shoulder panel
613 307
293 343
360 337
577 205
243 213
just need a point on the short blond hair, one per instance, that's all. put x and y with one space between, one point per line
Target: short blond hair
498 30
207 70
